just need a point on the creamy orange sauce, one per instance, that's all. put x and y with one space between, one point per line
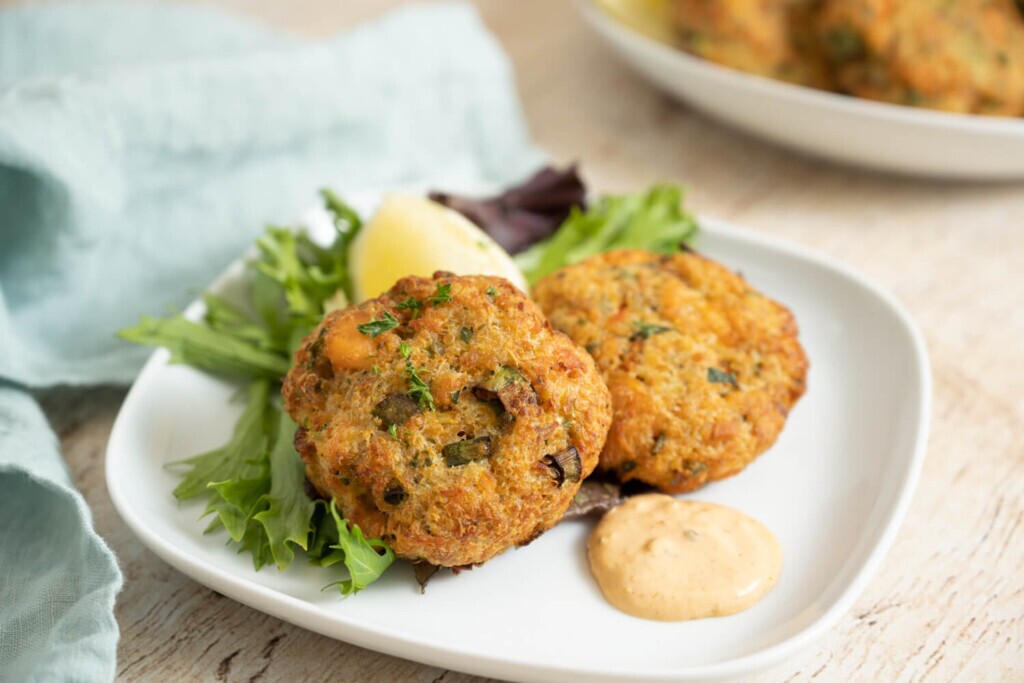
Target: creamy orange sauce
659 558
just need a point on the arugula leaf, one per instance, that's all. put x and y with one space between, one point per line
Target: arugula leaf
307 274
239 458
280 261
208 349
362 556
223 316
287 520
268 300
653 220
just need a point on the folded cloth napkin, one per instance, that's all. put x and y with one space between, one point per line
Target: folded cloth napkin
142 147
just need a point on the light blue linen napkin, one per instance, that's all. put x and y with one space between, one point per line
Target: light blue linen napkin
142 147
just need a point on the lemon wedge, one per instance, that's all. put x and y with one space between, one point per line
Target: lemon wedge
412 235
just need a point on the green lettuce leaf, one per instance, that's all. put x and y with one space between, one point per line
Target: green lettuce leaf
236 502
348 224
241 458
223 316
654 220
254 484
256 543
287 520
214 351
365 559
307 274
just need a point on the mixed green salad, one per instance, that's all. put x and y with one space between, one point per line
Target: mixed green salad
255 485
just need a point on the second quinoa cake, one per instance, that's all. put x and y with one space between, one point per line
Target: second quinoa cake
447 417
702 368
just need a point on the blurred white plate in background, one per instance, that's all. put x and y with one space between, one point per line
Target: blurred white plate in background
873 135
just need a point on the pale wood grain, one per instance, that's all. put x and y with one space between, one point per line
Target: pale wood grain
948 604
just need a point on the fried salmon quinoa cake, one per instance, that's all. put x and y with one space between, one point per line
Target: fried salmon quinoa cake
964 56
772 38
447 417
702 368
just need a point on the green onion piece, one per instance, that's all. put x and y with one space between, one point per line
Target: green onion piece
464 452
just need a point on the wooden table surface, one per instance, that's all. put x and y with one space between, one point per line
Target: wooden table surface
948 603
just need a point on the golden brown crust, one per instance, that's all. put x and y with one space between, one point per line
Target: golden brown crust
772 38
495 369
671 334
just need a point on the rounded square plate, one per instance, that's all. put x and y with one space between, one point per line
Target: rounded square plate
834 490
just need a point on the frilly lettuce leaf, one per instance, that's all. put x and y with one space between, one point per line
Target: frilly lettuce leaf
287 520
254 484
365 559
654 220
240 458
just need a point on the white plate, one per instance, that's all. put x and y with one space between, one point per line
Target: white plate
875 135
833 489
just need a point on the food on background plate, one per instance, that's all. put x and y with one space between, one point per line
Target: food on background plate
771 38
446 417
703 369
965 56
653 18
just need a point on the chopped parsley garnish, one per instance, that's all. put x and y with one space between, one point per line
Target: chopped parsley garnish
414 305
374 369
443 295
642 330
375 326
722 377
492 292
455 397
418 389
393 431
466 334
